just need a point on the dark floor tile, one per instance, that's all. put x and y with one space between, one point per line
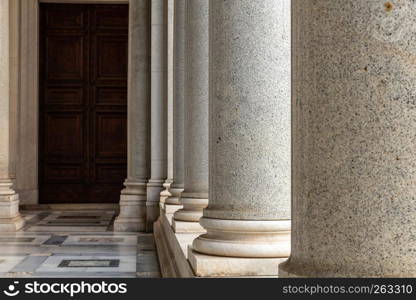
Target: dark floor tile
56 240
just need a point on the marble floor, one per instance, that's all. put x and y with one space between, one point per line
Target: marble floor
76 244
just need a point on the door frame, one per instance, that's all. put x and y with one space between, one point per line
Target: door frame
27 165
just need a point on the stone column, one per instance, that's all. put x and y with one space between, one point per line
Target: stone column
194 198
354 141
248 215
28 110
170 54
133 198
10 218
172 204
158 156
14 88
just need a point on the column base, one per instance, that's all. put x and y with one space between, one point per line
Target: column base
12 224
10 218
175 196
154 188
129 225
172 203
187 227
132 217
241 238
220 266
170 210
193 206
165 194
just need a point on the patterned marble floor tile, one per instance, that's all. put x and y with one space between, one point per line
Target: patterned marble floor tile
9 262
65 229
55 240
23 240
21 250
29 264
81 216
71 264
70 244
101 240
87 250
84 275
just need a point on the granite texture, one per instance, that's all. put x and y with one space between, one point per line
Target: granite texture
4 94
138 92
132 215
248 215
10 218
354 139
26 184
178 103
158 110
196 115
249 110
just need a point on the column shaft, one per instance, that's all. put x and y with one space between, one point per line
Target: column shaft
354 157
158 156
133 197
178 105
249 207
10 218
195 195
170 118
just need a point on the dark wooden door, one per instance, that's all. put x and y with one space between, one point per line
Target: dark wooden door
83 102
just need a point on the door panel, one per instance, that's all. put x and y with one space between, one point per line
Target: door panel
83 103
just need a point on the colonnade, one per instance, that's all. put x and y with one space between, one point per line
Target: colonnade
293 134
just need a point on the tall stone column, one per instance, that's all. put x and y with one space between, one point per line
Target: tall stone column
172 204
158 156
170 58
194 198
133 198
28 110
10 218
354 142
248 215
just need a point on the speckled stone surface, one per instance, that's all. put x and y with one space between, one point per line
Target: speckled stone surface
4 92
196 116
10 218
179 96
133 197
139 92
354 142
158 110
249 110
196 104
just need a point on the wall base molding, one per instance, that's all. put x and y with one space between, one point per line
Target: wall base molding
172 258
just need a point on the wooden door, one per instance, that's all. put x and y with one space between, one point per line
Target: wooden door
83 102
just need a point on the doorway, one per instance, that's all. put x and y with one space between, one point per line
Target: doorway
83 62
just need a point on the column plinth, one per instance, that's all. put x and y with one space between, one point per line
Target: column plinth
165 194
132 217
173 203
